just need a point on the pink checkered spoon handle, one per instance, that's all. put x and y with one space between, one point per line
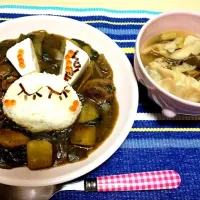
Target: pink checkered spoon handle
155 180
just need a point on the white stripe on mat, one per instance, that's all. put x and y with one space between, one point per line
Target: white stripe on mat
76 13
159 116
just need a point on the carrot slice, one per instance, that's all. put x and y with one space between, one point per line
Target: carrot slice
22 65
72 108
21 51
76 103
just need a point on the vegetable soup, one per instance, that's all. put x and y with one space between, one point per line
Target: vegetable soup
172 59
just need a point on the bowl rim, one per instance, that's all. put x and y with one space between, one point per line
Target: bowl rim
116 143
141 66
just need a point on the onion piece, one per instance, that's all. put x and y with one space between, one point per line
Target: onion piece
183 68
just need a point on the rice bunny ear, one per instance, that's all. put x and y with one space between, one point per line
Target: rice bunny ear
11 102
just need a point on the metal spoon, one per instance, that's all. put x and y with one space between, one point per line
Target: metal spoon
30 193
156 180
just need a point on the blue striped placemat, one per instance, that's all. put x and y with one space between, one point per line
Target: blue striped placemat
154 142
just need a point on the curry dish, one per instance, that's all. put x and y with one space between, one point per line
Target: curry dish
96 92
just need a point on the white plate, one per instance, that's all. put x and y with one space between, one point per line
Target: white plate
127 95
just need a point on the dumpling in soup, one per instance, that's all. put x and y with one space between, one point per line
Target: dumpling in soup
174 82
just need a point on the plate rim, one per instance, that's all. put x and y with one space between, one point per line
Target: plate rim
117 143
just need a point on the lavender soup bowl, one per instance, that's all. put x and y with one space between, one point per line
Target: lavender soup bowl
171 105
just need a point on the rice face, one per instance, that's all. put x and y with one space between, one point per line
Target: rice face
41 102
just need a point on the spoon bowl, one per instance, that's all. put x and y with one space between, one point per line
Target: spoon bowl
24 193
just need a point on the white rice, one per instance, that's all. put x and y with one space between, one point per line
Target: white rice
43 113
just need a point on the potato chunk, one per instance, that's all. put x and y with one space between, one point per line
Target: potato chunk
11 139
88 113
39 153
84 135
